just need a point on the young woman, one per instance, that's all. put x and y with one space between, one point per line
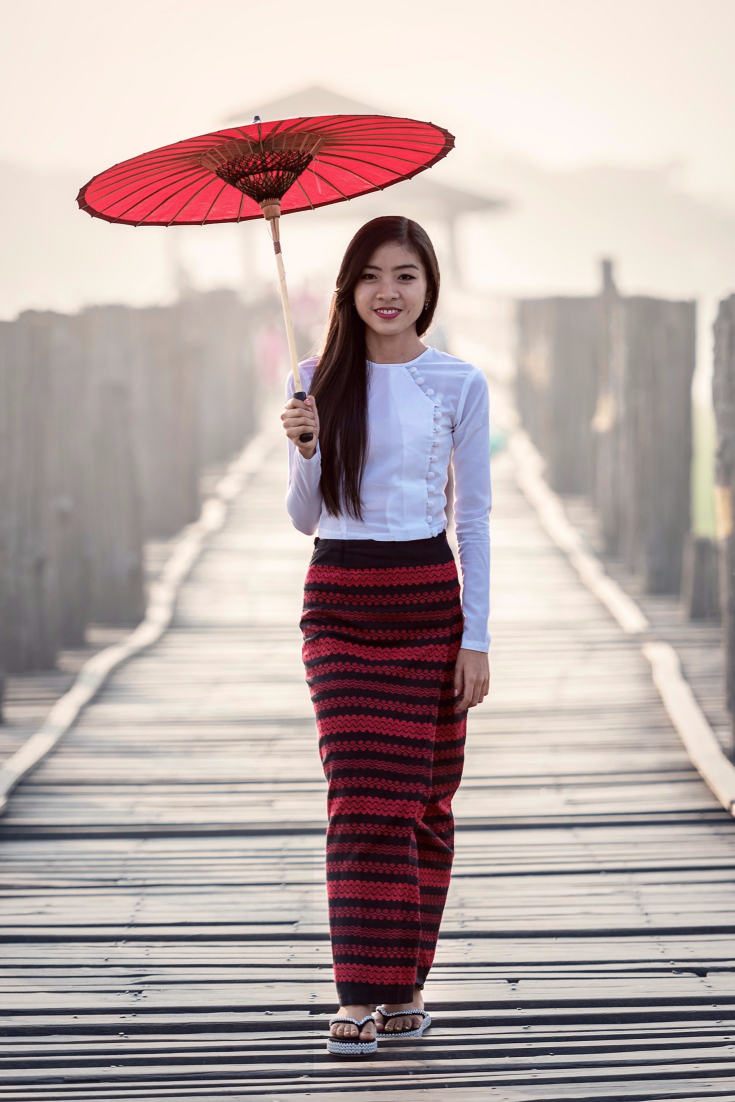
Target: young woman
393 661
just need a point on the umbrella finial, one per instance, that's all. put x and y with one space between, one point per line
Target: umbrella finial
256 118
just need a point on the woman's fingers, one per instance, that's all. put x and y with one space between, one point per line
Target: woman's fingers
470 697
300 417
297 425
295 409
471 679
465 690
473 695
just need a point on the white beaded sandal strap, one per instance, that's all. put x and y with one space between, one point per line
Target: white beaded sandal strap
401 1013
352 1021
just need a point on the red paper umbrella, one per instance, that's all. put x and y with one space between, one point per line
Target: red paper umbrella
265 169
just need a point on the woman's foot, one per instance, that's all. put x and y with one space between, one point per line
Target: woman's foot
401 1025
346 1031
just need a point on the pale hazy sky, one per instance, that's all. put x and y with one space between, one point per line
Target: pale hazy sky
565 82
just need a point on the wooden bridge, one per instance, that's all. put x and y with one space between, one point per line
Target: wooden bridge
164 925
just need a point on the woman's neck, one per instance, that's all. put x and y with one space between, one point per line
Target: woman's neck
398 349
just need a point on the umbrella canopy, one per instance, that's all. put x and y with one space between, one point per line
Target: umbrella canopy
228 175
265 169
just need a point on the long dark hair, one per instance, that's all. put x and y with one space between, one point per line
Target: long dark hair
340 384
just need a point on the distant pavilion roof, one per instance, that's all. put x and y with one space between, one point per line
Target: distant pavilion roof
424 194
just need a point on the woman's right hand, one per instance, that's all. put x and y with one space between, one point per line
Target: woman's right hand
300 417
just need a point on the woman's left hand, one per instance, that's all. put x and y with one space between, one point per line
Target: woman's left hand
471 678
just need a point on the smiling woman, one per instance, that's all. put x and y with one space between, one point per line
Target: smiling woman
393 660
389 283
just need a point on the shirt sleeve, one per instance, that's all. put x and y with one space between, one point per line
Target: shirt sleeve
472 505
303 495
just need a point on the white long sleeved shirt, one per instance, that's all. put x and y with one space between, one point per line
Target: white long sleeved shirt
421 415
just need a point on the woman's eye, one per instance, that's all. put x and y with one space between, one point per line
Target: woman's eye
407 276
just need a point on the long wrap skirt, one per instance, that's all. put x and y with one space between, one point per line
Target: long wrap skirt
382 626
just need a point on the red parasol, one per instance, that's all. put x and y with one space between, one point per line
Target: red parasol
265 169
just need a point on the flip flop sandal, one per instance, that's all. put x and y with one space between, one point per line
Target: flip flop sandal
405 1034
348 1046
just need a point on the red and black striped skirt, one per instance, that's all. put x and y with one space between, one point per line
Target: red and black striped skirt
382 626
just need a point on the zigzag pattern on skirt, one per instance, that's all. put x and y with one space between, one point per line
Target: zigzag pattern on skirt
379 646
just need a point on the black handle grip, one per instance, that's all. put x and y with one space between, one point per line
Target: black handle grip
305 436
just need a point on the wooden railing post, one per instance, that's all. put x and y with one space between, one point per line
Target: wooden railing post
700 598
573 394
608 413
110 487
655 455
69 464
723 395
29 629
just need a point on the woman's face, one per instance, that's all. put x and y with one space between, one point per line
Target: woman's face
391 292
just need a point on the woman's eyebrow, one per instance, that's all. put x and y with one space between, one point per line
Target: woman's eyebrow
377 268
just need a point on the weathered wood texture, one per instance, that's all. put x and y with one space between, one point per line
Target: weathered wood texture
106 419
607 421
700 578
656 438
723 394
164 921
604 390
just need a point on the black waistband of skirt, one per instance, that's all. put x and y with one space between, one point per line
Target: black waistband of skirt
363 554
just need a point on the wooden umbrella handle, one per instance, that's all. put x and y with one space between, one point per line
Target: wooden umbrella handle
271 210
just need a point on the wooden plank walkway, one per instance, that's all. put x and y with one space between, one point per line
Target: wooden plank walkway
164 917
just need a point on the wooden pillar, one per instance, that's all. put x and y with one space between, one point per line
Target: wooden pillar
573 394
700 596
607 417
29 628
655 454
70 452
111 491
723 394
